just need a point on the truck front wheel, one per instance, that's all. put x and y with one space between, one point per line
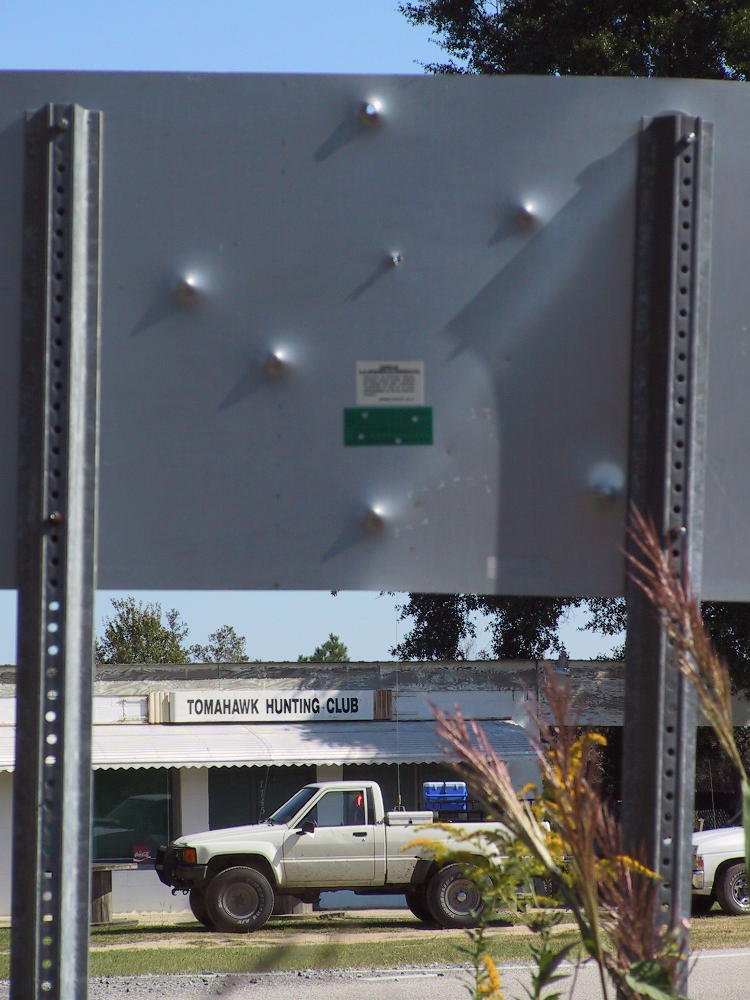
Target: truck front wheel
197 902
454 898
731 890
239 900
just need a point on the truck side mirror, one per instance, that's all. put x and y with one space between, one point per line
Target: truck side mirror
308 826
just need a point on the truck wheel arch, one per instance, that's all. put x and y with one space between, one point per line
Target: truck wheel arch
257 861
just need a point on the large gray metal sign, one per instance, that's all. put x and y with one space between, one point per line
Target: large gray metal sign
375 332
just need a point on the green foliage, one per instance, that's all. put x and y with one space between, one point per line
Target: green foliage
445 626
685 38
547 959
224 645
729 628
607 615
137 634
649 979
332 650
507 872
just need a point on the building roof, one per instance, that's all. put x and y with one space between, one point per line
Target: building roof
236 744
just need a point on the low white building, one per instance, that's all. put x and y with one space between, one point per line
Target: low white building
178 748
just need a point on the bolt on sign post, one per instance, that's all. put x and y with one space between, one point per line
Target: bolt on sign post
478 303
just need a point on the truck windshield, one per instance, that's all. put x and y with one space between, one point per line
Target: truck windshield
289 810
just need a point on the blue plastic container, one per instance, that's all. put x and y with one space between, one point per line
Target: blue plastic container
445 796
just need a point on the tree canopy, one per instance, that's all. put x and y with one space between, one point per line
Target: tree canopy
136 634
445 626
224 645
707 39
141 632
332 650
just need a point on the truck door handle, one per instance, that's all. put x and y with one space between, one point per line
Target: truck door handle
359 833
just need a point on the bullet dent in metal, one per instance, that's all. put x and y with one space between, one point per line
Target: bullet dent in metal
188 289
371 111
527 214
395 259
606 480
374 519
275 364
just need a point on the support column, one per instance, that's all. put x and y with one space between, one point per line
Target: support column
56 554
666 484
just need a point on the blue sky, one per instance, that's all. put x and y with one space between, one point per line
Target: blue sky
249 36
326 36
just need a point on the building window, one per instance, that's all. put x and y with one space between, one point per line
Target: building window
132 813
238 795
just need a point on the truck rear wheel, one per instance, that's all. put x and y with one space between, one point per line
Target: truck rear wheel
197 901
239 900
416 900
454 898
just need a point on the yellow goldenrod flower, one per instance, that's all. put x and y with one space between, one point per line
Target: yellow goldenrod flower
490 988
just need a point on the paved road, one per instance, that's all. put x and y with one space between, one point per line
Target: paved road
716 976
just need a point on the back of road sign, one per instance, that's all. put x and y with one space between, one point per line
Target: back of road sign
374 332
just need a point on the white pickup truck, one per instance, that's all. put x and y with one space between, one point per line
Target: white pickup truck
719 871
329 835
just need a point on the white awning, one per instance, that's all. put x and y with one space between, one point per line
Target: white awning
228 745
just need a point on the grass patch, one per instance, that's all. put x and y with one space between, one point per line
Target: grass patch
245 956
717 930
187 947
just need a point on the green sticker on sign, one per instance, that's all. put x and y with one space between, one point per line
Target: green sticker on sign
392 425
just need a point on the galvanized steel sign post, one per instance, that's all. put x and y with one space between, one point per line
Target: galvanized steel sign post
667 484
56 553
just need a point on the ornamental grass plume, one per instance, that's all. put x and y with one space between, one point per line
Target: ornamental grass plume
653 570
570 833
680 614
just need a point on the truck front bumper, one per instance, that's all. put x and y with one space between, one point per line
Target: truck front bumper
173 872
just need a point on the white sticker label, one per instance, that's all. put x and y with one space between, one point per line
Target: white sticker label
390 383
